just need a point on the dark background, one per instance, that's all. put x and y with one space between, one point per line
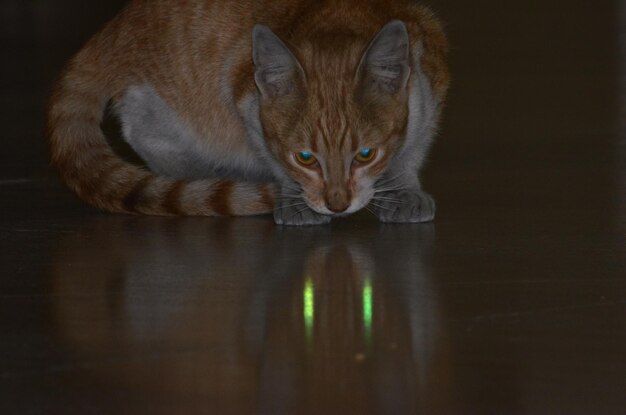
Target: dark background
37 38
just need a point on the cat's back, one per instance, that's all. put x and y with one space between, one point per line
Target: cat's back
224 19
211 31
197 53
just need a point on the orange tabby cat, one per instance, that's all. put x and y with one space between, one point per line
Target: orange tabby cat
307 109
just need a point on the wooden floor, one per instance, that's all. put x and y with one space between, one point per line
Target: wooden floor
512 302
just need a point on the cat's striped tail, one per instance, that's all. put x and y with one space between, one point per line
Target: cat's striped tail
90 167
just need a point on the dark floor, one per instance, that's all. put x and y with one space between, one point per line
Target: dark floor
512 302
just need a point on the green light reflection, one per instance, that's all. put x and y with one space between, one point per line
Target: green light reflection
309 309
368 308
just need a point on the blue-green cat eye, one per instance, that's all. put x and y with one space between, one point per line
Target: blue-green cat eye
306 158
365 155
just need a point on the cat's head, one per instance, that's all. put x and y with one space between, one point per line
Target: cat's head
334 113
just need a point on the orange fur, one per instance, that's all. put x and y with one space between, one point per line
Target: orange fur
181 47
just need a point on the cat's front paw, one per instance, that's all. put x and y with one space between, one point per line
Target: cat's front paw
295 212
407 206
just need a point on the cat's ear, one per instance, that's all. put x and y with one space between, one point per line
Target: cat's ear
385 65
276 69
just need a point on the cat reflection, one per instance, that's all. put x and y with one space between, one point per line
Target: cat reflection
243 317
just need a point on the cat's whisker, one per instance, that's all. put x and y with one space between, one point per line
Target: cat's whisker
383 182
388 197
390 200
381 207
288 197
295 191
299 211
370 211
288 206
389 189
294 188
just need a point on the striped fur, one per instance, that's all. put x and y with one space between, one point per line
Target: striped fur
198 56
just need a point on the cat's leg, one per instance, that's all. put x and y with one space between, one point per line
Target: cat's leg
400 199
292 210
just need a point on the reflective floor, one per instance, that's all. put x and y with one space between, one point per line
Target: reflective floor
512 302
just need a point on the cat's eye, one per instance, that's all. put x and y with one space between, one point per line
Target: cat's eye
366 155
306 159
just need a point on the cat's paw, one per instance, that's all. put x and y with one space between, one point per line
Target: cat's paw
408 206
294 212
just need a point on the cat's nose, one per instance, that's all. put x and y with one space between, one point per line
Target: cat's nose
337 201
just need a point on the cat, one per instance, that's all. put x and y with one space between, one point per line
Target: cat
306 109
